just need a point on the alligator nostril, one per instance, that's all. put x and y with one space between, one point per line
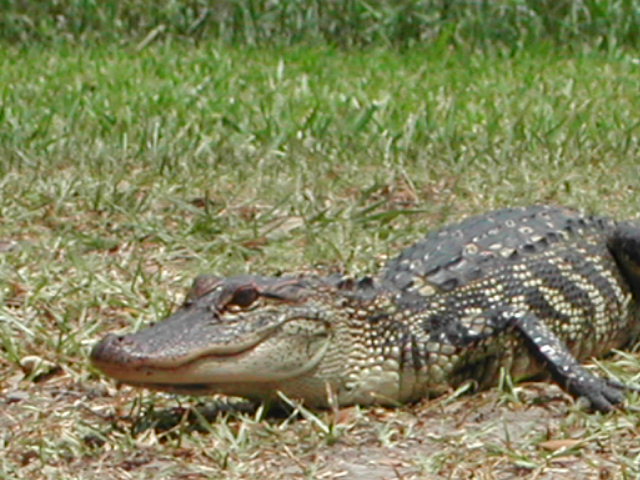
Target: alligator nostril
112 348
119 340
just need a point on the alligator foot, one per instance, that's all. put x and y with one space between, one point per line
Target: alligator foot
603 394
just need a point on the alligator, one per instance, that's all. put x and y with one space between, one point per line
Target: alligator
527 291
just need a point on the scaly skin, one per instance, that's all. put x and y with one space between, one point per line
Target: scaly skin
529 290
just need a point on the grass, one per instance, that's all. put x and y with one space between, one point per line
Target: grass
124 173
504 24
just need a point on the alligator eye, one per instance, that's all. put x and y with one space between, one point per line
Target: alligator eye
244 296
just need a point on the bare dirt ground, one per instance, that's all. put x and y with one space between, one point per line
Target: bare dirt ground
59 428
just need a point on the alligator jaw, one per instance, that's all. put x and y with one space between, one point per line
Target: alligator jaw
219 367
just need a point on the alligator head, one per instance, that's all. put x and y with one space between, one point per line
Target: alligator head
247 336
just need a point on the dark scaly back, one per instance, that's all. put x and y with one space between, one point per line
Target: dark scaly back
572 276
464 252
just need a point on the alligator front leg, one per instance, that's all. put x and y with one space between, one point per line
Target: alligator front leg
602 394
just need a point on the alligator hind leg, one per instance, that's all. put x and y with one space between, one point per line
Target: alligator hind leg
602 394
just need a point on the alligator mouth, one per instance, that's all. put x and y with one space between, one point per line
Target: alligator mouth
142 369
267 356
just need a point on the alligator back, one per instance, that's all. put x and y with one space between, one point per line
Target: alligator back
573 292
525 290
465 252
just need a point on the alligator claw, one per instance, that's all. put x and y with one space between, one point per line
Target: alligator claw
603 395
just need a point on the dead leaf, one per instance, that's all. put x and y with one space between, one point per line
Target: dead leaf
557 444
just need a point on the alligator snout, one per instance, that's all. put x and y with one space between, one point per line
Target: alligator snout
114 350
